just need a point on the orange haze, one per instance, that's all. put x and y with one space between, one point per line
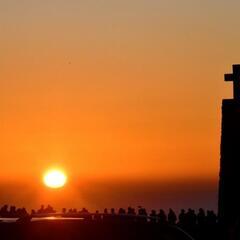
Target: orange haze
113 91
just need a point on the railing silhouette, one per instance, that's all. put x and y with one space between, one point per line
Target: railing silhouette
93 216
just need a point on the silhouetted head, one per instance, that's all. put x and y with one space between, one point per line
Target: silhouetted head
182 211
105 211
112 211
161 211
153 212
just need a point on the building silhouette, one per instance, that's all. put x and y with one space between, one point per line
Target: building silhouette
229 183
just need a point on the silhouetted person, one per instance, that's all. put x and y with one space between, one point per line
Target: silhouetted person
172 218
105 211
41 210
85 214
142 213
33 212
191 218
162 217
64 211
84 211
131 211
12 211
49 209
201 217
122 214
21 212
121 211
211 218
130 214
75 211
4 211
113 211
182 218
97 216
106 215
153 216
112 215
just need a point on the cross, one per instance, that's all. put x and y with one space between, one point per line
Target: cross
235 78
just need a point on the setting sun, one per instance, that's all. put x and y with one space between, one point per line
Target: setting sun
55 178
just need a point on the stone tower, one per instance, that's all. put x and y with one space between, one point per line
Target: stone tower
229 184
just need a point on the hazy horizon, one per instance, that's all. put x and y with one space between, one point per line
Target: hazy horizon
99 194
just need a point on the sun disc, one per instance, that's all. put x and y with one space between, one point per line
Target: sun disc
55 179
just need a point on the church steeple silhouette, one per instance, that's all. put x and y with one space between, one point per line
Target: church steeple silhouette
229 184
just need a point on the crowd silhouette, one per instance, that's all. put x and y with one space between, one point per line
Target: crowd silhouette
185 218
12 212
202 224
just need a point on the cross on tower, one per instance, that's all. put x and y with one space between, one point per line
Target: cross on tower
235 78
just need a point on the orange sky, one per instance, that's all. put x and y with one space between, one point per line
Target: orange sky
114 90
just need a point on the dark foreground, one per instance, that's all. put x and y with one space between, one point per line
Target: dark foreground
94 230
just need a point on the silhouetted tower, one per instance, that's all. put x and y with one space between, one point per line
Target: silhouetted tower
229 184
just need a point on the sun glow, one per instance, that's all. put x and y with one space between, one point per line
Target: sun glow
55 178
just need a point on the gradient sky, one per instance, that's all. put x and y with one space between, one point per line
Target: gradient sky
114 92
